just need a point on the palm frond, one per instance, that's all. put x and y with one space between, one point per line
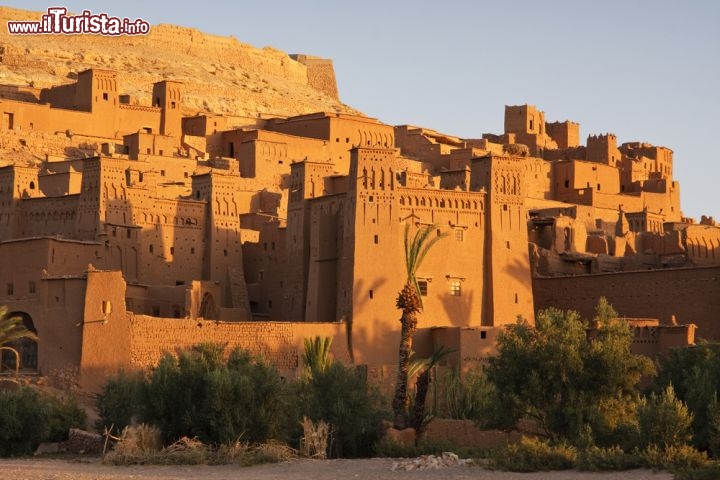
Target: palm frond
12 328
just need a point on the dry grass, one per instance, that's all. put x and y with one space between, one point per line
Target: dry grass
142 446
314 443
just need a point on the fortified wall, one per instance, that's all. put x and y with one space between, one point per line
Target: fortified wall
687 295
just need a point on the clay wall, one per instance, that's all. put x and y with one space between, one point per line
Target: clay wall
603 149
139 145
278 343
574 175
341 131
691 294
373 228
703 244
538 178
49 216
507 283
566 134
320 74
59 184
265 261
413 143
267 156
527 124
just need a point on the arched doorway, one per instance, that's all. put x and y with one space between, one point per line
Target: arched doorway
208 308
26 347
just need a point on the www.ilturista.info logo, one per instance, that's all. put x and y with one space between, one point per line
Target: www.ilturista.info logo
57 21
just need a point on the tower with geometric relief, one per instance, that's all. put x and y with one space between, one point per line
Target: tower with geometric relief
508 284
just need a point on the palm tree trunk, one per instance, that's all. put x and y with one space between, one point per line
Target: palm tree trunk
421 389
400 401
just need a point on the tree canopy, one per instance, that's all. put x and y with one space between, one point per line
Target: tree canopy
570 380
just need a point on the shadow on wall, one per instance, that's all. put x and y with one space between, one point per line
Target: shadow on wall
361 301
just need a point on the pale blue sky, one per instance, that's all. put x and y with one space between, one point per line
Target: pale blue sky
646 70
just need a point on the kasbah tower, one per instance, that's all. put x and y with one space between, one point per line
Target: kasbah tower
137 223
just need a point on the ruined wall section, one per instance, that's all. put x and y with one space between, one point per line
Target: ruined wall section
320 74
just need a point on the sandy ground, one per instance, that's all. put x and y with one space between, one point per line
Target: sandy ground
372 469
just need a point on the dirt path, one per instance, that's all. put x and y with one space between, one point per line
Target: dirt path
372 469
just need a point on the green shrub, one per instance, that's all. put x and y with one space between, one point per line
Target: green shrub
533 455
63 414
465 398
612 458
200 395
119 402
709 471
673 458
28 418
340 396
664 420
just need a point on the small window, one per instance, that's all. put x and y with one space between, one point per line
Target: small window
105 96
371 294
371 199
162 172
567 183
172 104
598 185
10 289
483 334
128 233
151 248
172 250
505 208
32 185
376 239
192 249
423 286
459 235
106 307
31 287
507 244
455 288
272 245
261 275
179 282
225 252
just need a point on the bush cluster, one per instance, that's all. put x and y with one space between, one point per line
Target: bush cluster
202 394
28 418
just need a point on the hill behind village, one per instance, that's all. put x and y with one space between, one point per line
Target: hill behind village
221 74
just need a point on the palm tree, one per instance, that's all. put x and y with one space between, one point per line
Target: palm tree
12 330
422 384
409 301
